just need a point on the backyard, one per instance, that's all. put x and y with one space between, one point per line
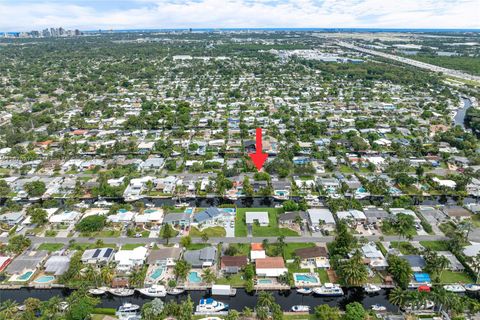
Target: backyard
272 230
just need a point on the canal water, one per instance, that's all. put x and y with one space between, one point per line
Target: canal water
459 118
286 299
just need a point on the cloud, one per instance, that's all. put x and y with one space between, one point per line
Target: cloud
89 15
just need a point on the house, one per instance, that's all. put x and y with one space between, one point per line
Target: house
164 256
153 164
374 257
456 212
12 218
270 267
27 261
101 256
122 216
57 265
210 214
233 264
292 217
177 219
416 262
150 217
352 215
316 257
375 214
129 259
396 211
455 265
65 217
260 217
321 217
256 251
205 257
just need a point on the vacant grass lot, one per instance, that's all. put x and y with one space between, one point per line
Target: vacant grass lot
257 231
51 246
454 277
435 245
131 246
212 232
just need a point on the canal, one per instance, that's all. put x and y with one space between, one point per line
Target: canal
459 118
286 299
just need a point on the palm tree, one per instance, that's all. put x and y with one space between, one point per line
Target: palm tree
208 276
281 244
181 269
353 271
8 308
442 264
440 297
398 297
265 299
106 273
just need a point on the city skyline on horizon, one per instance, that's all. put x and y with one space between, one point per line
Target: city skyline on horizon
86 15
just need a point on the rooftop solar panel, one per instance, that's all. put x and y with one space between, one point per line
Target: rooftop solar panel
108 252
97 252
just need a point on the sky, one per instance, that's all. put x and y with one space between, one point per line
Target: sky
26 15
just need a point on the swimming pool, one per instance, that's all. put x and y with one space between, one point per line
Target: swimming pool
122 210
44 279
264 281
25 276
194 277
149 211
157 273
189 210
305 278
228 210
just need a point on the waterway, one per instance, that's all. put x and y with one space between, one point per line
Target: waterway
286 299
459 118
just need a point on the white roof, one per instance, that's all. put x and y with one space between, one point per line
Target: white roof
121 216
257 254
150 215
65 216
124 257
321 214
472 250
261 217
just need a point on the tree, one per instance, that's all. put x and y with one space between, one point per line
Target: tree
80 305
290 205
4 188
35 188
181 269
18 243
247 187
208 276
167 232
400 270
404 224
8 308
204 237
352 271
186 241
91 223
354 311
325 312
152 310
39 216
344 241
233 315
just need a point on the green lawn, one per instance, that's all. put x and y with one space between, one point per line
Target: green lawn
404 247
476 220
197 246
212 232
242 248
322 274
272 230
453 277
289 250
435 245
235 280
131 246
51 246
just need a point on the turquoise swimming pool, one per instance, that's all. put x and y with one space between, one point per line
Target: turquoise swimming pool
188 210
264 281
305 278
157 273
150 211
122 210
44 279
25 276
228 210
194 277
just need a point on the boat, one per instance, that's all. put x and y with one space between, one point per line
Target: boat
304 291
155 291
329 290
300 308
457 288
182 205
97 291
371 288
127 310
210 305
472 287
175 291
121 292
223 290
378 307
424 306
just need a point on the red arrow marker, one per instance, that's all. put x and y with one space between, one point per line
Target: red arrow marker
258 157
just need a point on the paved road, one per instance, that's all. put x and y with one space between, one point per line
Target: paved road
124 240
416 63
